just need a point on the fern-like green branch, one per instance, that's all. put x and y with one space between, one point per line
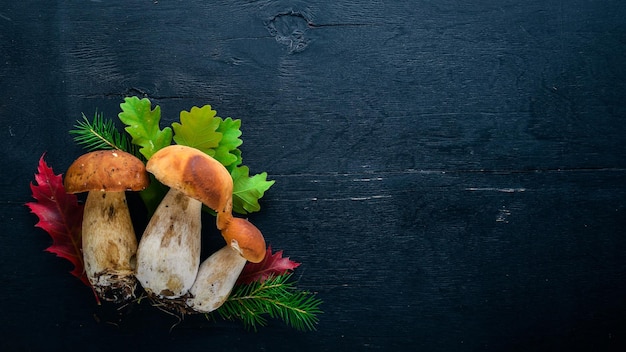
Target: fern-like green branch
101 134
275 297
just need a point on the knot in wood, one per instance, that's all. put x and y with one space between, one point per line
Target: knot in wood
289 28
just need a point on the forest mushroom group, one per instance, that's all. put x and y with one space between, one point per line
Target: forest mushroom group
166 260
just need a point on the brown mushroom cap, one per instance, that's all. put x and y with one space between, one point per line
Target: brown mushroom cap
107 171
249 239
194 173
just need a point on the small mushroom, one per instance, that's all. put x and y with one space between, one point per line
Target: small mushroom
169 251
109 243
218 273
248 237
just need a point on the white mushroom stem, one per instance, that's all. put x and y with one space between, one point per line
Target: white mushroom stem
169 250
109 245
216 279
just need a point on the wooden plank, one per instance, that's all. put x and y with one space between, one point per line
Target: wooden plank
452 175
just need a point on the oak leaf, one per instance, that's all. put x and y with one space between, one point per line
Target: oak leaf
227 152
247 190
142 124
197 129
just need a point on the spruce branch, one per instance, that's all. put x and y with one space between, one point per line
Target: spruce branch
101 134
275 297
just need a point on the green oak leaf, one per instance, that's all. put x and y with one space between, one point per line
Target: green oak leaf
143 125
227 152
248 190
197 129
237 154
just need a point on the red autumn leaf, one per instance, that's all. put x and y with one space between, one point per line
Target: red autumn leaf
60 215
273 264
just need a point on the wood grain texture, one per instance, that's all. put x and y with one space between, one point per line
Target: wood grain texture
452 174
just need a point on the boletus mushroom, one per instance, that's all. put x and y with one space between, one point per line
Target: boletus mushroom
218 273
168 256
109 243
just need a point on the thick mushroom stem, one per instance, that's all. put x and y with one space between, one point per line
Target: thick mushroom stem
169 250
216 279
109 245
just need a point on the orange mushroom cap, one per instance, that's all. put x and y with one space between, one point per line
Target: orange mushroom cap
249 239
194 173
107 171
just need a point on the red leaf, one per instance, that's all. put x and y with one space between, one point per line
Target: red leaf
60 215
273 264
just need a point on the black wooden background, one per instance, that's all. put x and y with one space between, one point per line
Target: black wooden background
451 173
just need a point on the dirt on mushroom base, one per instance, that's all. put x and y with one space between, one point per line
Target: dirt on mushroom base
115 285
173 306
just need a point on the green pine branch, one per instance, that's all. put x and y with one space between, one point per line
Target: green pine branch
101 134
275 297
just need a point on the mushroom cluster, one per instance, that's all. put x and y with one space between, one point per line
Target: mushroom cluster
166 261
168 258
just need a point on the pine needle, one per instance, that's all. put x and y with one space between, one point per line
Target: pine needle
101 134
275 297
